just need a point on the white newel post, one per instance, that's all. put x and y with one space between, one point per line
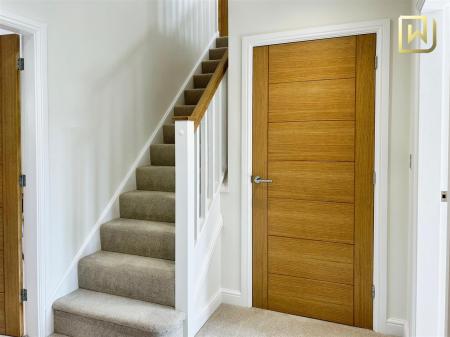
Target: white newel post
184 219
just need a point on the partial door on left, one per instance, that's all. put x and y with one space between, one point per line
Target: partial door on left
11 311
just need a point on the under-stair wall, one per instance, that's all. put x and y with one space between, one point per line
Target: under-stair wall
101 120
154 275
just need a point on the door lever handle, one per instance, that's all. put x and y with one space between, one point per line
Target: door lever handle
259 180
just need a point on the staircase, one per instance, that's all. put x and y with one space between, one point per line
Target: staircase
128 288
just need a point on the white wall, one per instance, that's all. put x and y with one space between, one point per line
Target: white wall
248 17
429 212
113 69
433 118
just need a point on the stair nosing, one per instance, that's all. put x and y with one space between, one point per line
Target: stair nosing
169 263
109 319
138 220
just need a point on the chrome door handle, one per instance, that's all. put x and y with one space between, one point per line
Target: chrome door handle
259 180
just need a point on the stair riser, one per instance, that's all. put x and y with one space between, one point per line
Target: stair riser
222 42
159 245
183 110
156 179
152 208
78 326
201 81
216 54
209 67
191 97
162 155
169 134
134 281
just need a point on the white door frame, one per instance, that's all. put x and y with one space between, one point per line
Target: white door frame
34 124
381 321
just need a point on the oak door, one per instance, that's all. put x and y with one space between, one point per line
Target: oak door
10 191
313 136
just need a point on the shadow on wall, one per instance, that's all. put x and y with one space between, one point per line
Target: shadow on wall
115 105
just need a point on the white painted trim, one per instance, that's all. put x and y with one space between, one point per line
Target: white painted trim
419 5
35 155
208 310
203 269
91 244
382 29
233 297
413 202
397 327
185 222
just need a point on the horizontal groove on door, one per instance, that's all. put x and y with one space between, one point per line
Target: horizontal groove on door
313 60
316 299
312 100
315 181
316 260
311 141
307 220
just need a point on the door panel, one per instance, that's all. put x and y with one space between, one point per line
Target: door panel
260 102
313 135
312 101
11 202
322 300
307 180
316 260
306 220
364 173
331 141
312 60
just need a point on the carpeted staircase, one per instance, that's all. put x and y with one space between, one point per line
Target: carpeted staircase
128 288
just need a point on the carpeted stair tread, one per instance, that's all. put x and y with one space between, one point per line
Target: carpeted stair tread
183 110
201 80
192 96
162 154
148 205
137 277
156 178
139 237
85 313
217 53
169 134
58 335
209 66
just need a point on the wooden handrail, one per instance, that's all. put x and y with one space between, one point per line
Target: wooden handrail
208 94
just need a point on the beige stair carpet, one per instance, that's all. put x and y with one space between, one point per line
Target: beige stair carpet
128 288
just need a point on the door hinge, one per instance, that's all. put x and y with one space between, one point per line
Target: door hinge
23 295
376 62
374 177
373 292
21 64
444 196
23 180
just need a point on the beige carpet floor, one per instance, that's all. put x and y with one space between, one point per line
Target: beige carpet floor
232 321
